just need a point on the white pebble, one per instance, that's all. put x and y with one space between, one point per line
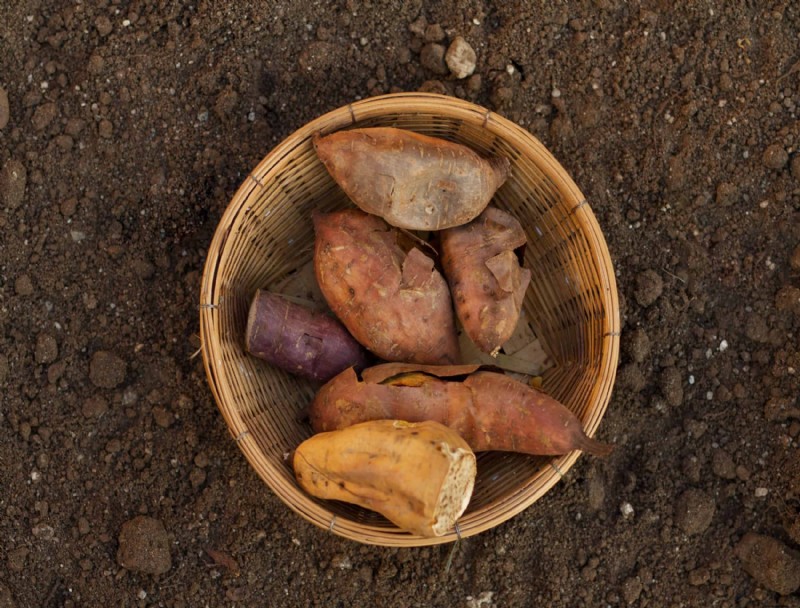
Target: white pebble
761 492
723 346
626 509
691 379
709 396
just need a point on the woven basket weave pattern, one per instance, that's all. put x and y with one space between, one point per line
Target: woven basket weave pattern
266 233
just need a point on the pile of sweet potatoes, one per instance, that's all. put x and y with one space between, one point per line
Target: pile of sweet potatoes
420 256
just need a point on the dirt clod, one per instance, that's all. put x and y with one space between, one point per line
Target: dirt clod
144 546
775 157
13 180
5 112
694 510
6 598
107 370
770 562
431 56
649 286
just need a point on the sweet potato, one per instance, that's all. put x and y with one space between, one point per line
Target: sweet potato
386 291
419 476
310 344
485 277
412 181
491 411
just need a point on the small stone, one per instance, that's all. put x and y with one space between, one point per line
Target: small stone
722 464
636 345
431 56
649 286
434 33
5 112
770 562
144 546
94 407
43 116
6 598
46 349
694 510
105 129
13 180
107 370
418 26
699 576
671 386
631 378
23 285
197 477
3 369
103 25
163 417
795 166
460 58
631 589
775 157
727 194
341 562
788 299
794 261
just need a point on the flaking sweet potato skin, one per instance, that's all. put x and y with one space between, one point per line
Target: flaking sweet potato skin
485 277
411 180
491 411
391 299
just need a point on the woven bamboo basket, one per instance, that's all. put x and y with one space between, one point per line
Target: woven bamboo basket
266 235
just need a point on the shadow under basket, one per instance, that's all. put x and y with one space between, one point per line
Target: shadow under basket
266 235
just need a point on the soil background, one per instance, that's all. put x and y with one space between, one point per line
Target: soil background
125 129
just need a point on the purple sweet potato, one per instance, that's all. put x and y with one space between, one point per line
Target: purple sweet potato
411 180
485 277
384 289
491 411
310 344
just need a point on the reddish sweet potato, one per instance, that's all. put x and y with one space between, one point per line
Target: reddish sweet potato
306 343
412 181
490 411
389 296
485 277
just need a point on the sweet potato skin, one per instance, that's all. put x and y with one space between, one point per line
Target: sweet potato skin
491 411
309 344
396 468
391 299
411 180
485 277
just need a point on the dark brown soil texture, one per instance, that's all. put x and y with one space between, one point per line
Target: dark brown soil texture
127 126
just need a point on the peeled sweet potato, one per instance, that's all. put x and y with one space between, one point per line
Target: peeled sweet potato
412 181
310 344
485 277
384 289
419 476
491 411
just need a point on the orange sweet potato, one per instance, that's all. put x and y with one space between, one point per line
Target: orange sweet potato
385 290
412 181
491 411
485 277
418 476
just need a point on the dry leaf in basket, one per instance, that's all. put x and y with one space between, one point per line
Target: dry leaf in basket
419 476
411 180
384 289
483 270
299 340
491 411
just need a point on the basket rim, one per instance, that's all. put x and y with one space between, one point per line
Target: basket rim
210 299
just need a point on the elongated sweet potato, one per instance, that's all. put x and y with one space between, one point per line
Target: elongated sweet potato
412 181
491 411
389 296
419 476
310 344
485 277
